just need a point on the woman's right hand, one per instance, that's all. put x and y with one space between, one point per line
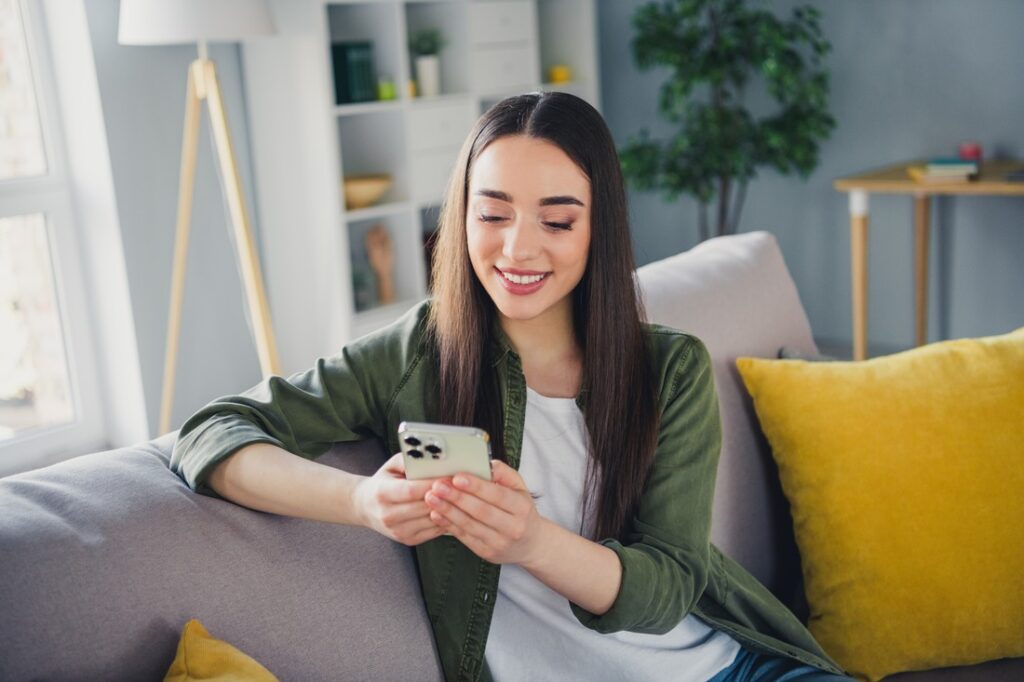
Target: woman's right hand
394 507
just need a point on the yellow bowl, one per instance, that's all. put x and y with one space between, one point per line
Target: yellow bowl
364 190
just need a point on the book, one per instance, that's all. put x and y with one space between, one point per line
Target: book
951 166
921 174
353 72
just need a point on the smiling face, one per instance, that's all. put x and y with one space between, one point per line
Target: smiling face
528 227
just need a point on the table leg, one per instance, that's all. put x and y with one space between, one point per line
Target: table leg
859 271
922 218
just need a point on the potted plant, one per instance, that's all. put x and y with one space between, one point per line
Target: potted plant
425 46
714 48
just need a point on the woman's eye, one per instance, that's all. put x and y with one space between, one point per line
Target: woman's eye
491 218
560 226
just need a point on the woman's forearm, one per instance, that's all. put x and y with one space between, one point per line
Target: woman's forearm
267 478
584 572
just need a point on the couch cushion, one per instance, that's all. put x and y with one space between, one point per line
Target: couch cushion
905 476
736 295
105 557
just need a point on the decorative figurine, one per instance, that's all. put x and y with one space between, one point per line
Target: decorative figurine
382 261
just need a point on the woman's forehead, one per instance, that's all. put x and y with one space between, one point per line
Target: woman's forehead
527 170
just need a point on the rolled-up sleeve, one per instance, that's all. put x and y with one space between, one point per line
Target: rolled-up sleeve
665 559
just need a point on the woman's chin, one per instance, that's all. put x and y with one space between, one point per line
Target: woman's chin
519 310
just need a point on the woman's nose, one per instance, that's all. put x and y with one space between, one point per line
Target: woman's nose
522 242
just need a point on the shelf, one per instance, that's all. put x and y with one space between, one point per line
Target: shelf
440 99
407 270
367 107
378 211
367 321
369 22
450 18
373 144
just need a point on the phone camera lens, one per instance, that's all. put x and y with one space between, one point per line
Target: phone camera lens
412 440
416 454
432 449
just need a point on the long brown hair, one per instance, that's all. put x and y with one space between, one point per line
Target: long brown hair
619 392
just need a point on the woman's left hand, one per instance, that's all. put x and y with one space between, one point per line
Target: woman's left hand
495 519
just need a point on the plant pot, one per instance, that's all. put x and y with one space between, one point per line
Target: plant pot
428 75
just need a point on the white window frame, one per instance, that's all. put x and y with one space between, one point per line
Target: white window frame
76 197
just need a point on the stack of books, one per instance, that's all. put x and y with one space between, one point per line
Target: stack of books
354 79
945 171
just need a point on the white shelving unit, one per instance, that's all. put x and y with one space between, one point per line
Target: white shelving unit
303 143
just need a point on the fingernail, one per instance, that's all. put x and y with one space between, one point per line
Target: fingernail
443 489
460 481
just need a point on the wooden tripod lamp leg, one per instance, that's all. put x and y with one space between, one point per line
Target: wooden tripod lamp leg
256 297
186 182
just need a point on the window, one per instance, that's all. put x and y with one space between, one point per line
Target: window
48 382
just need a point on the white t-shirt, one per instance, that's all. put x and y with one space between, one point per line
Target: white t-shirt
533 634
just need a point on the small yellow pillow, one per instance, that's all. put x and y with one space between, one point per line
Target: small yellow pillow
202 657
905 477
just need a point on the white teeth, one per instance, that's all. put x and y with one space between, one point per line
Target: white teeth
517 279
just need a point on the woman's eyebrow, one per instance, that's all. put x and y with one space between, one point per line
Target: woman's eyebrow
546 201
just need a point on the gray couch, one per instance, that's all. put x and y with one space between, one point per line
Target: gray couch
104 557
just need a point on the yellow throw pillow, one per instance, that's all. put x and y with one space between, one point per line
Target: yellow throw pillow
905 478
202 657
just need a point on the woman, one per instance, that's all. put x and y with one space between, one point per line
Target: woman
587 556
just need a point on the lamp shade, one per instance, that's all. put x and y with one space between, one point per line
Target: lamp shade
170 22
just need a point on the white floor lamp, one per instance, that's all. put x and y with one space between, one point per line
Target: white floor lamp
173 22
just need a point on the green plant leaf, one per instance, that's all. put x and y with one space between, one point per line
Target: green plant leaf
713 50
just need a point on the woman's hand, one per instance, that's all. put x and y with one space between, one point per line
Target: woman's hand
495 519
393 506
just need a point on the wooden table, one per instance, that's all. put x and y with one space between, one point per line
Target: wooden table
894 180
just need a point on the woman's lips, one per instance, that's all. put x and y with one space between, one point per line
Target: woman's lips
520 289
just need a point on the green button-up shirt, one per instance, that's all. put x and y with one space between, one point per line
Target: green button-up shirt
669 566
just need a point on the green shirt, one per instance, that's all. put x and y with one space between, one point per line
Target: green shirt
669 566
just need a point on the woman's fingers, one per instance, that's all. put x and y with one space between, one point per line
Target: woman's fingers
399 490
479 508
414 526
416 532
434 531
483 530
397 514
476 544
505 475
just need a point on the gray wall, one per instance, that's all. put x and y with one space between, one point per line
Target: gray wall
142 90
910 78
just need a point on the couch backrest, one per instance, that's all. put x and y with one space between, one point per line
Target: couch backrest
105 557
736 295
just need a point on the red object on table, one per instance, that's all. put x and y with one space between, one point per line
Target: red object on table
970 151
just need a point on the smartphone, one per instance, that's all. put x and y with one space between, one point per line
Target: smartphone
438 450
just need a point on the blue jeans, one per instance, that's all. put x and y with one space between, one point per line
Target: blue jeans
751 666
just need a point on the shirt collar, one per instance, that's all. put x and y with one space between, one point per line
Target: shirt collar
500 343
